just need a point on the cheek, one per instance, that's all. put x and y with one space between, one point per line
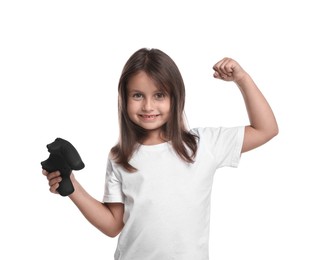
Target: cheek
166 107
130 109
131 105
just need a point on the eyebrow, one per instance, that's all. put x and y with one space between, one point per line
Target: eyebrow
134 90
139 91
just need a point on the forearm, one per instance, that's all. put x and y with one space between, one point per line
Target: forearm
261 116
97 213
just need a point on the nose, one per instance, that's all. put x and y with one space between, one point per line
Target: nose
147 105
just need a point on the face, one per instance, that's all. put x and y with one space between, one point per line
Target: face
147 106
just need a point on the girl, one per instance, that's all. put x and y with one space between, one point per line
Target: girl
159 175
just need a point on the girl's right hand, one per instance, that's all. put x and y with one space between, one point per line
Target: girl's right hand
229 70
54 179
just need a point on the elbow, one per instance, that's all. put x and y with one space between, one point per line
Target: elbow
271 130
113 232
272 133
111 235
254 138
275 131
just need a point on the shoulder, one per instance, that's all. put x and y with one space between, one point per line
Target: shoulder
209 131
224 143
214 130
218 133
111 161
204 130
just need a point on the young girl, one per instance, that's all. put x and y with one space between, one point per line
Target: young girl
159 175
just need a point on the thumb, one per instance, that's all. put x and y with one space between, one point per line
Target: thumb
216 75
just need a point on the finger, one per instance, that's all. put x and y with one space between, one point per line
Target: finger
53 188
53 175
222 68
216 75
226 67
229 67
44 172
221 75
55 180
218 65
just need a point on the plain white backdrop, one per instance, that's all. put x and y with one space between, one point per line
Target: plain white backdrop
60 62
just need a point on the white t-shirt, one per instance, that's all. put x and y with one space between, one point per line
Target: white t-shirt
167 201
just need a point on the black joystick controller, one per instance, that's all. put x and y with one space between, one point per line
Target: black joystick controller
64 158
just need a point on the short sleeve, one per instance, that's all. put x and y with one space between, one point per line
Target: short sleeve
225 143
113 186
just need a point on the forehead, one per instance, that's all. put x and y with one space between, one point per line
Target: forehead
141 81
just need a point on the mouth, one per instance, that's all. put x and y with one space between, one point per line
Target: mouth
149 116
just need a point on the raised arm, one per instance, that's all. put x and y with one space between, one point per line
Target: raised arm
263 125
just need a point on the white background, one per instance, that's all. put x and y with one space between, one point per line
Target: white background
60 62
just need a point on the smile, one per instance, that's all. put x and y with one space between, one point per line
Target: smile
148 116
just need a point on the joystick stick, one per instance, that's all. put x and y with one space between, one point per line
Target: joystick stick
64 158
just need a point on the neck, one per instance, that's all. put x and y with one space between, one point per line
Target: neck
153 138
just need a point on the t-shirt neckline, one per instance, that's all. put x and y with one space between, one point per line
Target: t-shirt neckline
154 147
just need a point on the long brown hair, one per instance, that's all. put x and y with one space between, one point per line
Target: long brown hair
166 75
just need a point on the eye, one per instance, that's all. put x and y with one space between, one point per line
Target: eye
137 96
160 96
